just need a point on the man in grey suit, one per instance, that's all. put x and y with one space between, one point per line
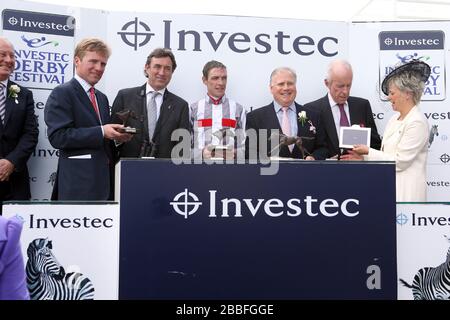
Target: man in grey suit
338 100
78 123
153 110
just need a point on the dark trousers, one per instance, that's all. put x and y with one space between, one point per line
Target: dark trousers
5 194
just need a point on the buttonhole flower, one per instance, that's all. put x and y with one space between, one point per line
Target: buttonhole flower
13 92
302 117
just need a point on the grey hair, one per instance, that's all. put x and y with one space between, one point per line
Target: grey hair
281 69
335 63
409 82
5 39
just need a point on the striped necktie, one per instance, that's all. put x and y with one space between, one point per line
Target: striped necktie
2 102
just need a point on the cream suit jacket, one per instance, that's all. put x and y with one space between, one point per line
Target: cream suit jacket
405 142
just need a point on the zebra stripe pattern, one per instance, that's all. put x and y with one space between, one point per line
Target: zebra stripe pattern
47 279
431 283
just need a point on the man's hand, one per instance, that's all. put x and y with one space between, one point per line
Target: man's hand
6 168
112 131
211 151
208 152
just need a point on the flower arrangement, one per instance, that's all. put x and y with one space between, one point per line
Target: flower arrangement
13 92
302 117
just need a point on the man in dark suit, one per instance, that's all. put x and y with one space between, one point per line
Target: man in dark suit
153 110
289 118
78 123
357 110
18 130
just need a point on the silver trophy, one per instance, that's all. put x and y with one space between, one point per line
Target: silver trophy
221 150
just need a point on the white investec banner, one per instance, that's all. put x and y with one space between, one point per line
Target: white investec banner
251 48
374 48
84 240
423 242
43 44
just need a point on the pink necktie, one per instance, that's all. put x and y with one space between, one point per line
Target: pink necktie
93 101
343 122
286 125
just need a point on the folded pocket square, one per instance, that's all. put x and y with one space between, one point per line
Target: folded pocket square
81 156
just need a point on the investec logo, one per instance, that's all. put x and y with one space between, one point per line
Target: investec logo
187 203
38 22
137 34
70 223
28 23
414 219
412 40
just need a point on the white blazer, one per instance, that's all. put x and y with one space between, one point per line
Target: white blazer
405 142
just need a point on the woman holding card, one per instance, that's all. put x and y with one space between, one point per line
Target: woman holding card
406 134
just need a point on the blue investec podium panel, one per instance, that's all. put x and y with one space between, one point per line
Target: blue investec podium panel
315 230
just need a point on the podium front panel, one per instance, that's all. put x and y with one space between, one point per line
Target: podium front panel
315 230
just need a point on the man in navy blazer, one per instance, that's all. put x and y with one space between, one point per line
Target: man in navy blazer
303 123
172 112
358 110
18 130
78 123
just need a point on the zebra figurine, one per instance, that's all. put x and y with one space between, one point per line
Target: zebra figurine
47 279
432 283
433 132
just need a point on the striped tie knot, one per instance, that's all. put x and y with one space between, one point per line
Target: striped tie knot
2 102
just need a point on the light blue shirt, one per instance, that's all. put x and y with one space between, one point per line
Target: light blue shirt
292 116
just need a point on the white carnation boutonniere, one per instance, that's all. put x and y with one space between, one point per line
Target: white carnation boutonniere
302 117
311 127
13 92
